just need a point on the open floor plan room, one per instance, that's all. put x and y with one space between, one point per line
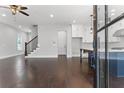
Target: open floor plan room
61 46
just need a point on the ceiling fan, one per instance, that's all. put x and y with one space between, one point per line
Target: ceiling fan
16 8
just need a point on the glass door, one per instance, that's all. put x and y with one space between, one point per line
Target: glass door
110 46
116 46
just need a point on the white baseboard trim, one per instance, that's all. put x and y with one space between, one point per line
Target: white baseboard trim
41 56
13 55
75 55
85 57
69 56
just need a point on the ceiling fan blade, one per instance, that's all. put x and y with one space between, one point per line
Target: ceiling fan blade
24 13
23 8
14 5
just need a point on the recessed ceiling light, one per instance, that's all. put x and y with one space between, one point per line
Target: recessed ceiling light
4 15
112 14
51 15
20 26
74 21
113 10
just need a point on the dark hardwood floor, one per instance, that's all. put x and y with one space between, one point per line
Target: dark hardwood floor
45 73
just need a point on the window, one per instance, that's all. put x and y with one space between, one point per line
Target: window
19 42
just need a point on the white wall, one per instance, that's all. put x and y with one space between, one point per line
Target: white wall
8 40
34 29
47 41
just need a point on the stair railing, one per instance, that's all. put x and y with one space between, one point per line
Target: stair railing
31 45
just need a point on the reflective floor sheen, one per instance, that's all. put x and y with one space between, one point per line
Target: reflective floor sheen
45 73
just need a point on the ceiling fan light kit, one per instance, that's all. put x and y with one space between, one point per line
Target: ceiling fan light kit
17 9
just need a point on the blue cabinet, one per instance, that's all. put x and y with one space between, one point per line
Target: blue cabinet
116 64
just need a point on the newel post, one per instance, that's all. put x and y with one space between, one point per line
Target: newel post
25 48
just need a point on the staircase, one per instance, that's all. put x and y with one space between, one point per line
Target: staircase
33 53
31 46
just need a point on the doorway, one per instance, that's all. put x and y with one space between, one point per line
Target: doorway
62 44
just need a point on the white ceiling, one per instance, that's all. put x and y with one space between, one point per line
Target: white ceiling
40 14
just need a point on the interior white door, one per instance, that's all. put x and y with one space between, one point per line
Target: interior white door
62 43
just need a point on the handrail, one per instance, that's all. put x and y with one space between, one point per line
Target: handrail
32 40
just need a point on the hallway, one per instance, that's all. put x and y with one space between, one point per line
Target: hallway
45 73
